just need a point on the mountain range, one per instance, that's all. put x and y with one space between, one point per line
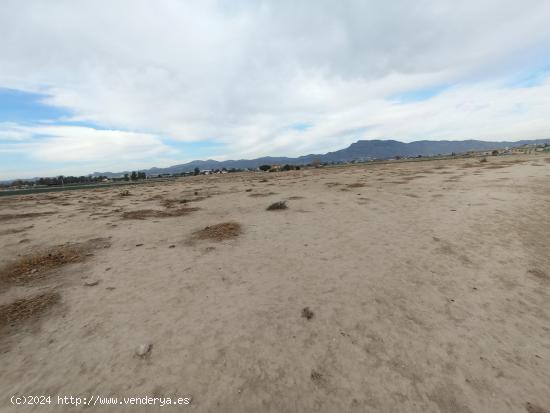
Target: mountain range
362 150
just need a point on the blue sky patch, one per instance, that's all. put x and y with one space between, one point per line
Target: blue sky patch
26 107
419 94
301 126
531 78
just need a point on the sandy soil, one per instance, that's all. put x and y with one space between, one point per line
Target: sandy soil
427 289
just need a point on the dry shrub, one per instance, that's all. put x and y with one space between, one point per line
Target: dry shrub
356 185
219 232
277 206
8 217
125 192
155 213
27 308
34 266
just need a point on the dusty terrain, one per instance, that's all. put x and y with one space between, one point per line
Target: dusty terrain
407 287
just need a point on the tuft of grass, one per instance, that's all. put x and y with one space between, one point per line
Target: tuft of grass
29 308
277 206
219 232
316 377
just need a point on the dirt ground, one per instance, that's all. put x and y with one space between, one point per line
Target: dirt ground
405 287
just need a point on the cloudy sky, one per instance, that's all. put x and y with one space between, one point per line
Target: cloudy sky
124 84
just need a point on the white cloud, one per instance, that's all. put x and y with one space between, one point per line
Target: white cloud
242 72
77 143
74 147
11 131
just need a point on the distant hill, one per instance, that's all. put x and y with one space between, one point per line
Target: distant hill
358 151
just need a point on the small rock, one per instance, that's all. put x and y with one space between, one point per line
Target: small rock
139 245
144 350
172 246
108 269
91 283
307 313
33 270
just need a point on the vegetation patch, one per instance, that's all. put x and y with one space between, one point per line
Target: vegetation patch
25 309
260 195
14 230
171 203
541 275
155 213
34 266
9 217
219 232
277 206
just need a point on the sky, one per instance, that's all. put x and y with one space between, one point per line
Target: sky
112 85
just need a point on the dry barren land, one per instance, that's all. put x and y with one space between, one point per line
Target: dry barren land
405 287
